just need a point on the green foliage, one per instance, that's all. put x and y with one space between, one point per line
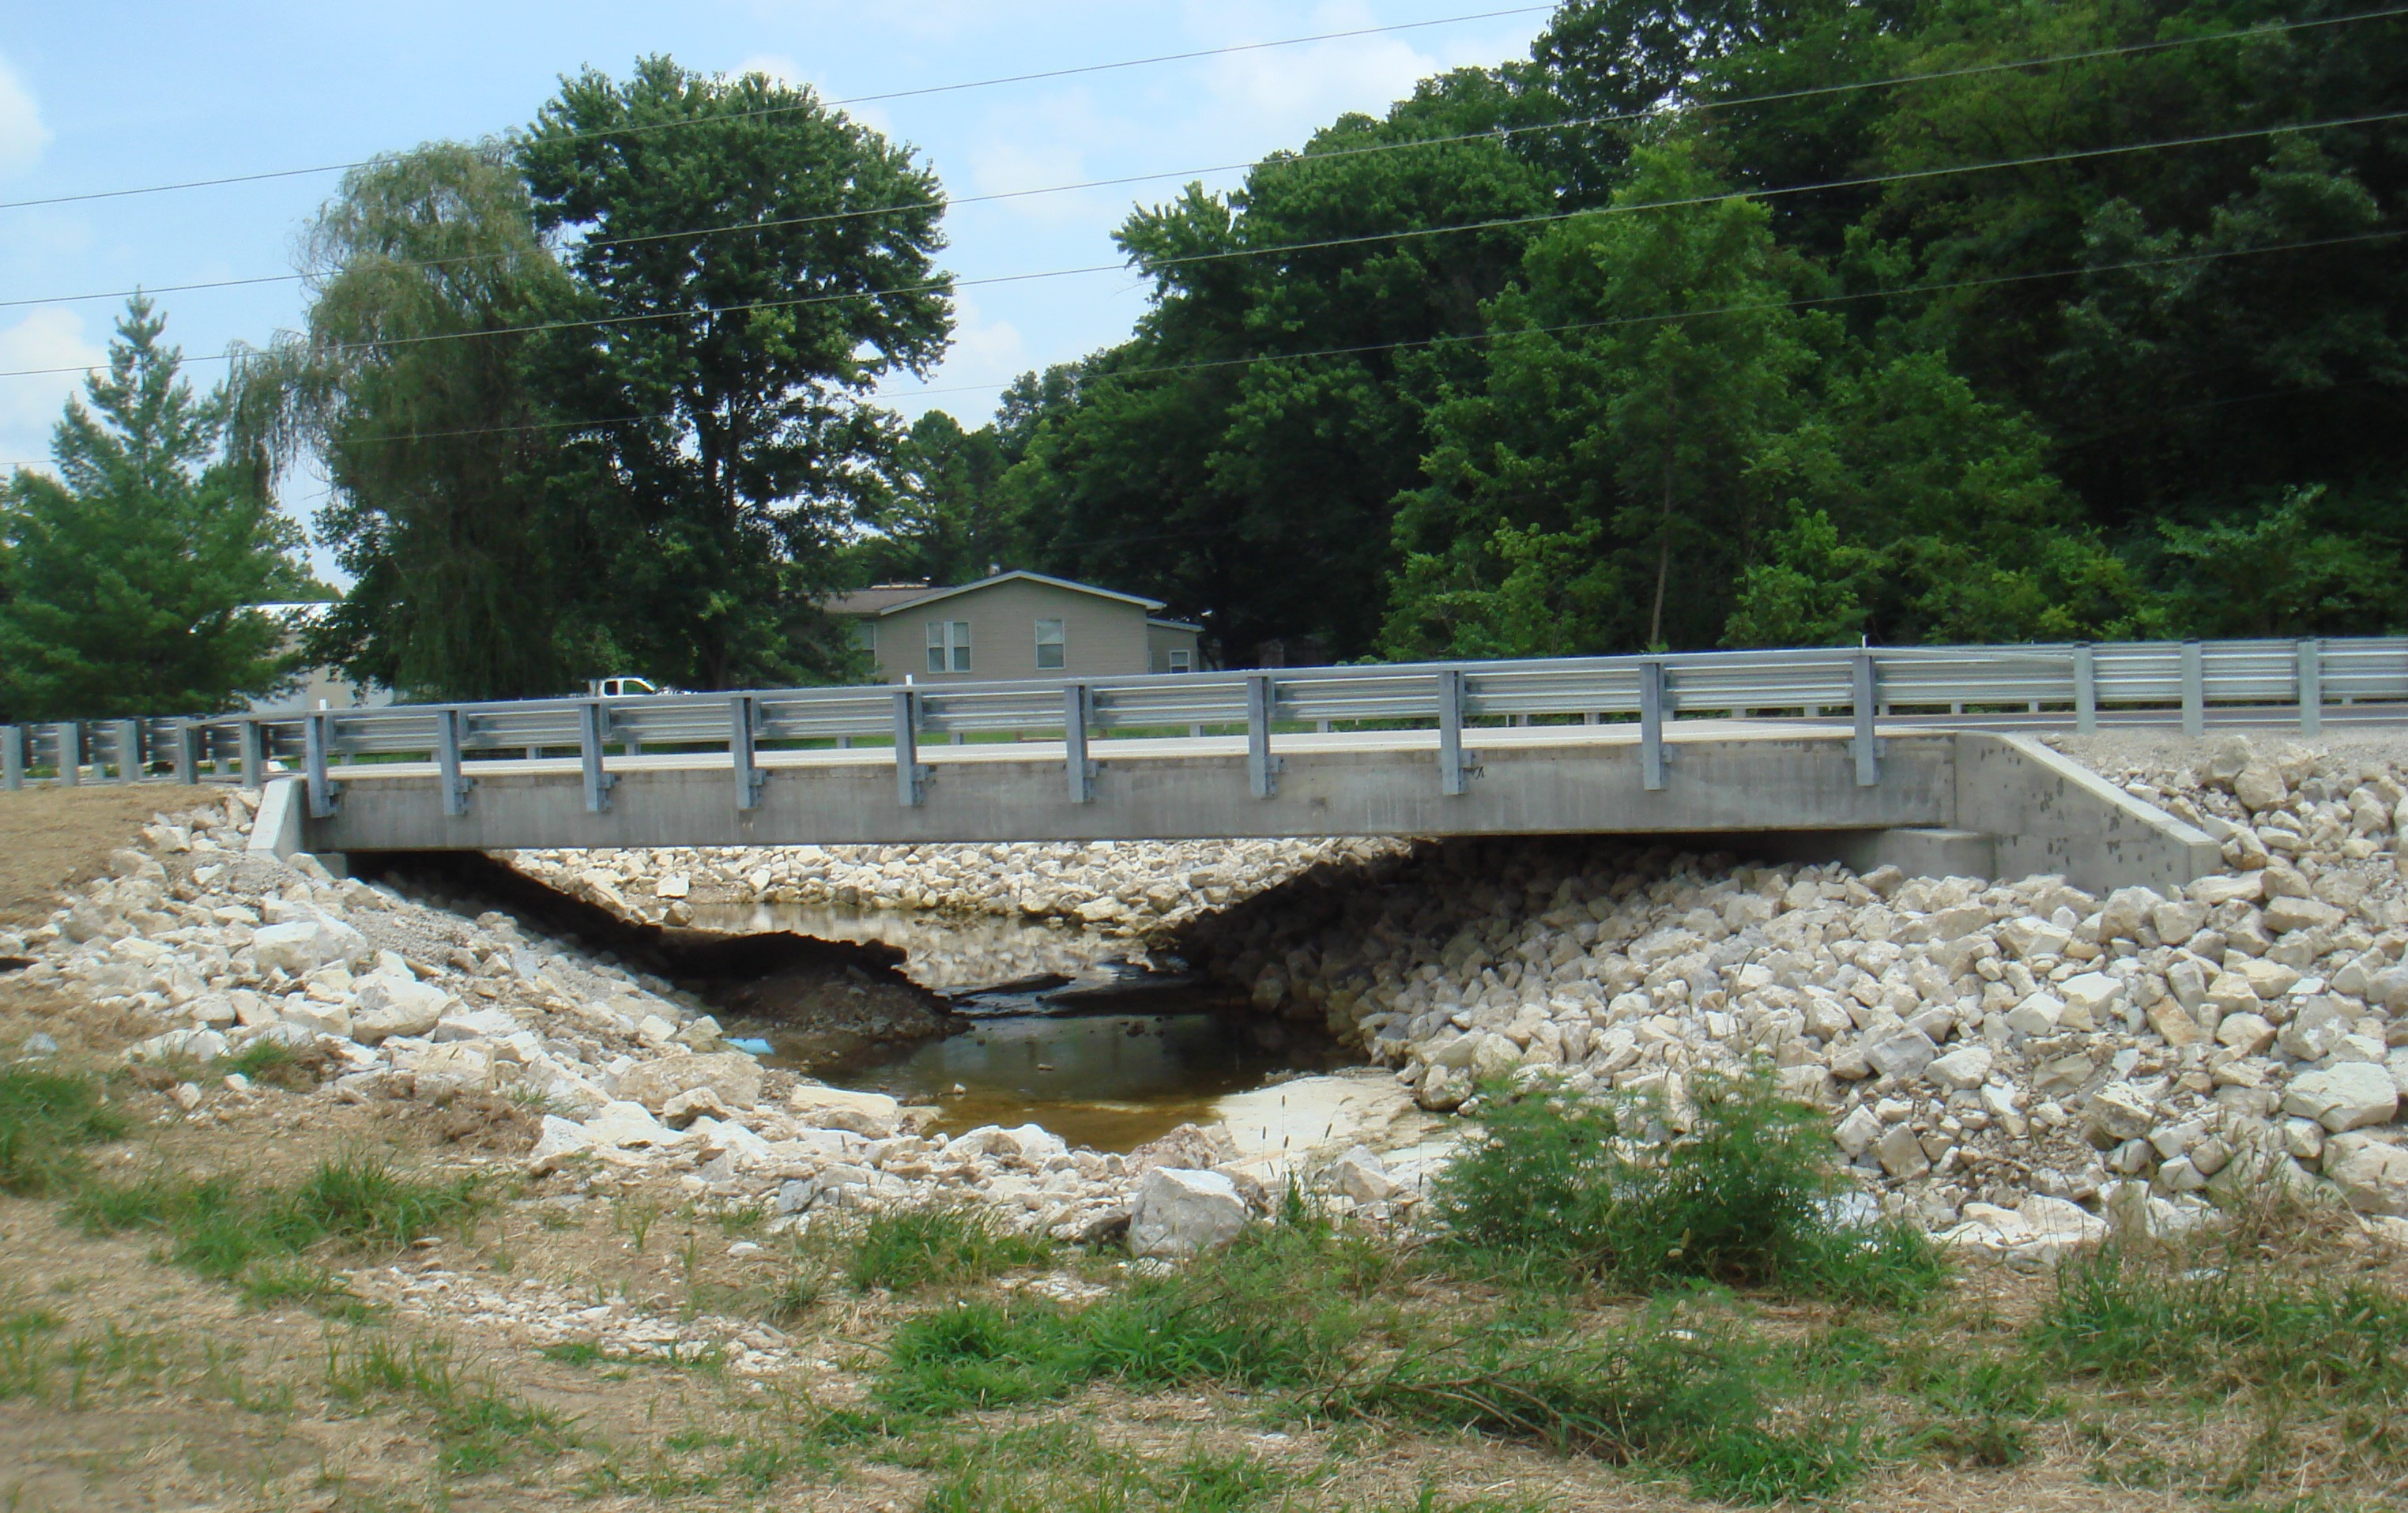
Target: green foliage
233 1231
460 503
757 445
1743 1196
2297 566
46 1119
128 581
949 1245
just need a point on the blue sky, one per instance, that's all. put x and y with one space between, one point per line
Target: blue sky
100 96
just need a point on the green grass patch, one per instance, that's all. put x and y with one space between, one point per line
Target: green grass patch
1674 1388
478 1424
904 1249
1605 1187
253 1235
46 1121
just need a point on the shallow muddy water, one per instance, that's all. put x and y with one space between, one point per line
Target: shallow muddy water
1060 1027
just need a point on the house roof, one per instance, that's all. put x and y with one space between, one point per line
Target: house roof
875 601
888 601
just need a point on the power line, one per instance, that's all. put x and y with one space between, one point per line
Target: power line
857 99
1657 318
1500 223
1780 96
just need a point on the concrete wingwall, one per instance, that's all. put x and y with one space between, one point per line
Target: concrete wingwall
2048 813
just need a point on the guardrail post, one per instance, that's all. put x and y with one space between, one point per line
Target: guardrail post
187 737
1262 768
1078 708
1867 759
2194 688
592 730
2312 688
455 784
254 754
2085 690
126 737
911 778
12 758
1651 724
324 791
1457 767
69 736
742 718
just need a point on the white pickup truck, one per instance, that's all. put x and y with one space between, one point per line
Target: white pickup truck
625 686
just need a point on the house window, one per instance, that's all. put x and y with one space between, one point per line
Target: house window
1182 661
865 635
1052 640
949 646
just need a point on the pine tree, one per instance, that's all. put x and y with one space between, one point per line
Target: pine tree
126 581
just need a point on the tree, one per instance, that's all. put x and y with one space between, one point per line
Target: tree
944 520
1633 385
758 263
131 578
1253 484
463 507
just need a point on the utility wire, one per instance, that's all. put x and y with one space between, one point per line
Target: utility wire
1655 318
856 99
1279 160
1153 266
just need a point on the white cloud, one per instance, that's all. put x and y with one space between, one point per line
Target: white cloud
781 68
22 136
30 406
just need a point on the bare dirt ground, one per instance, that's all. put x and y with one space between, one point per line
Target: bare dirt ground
52 838
129 1382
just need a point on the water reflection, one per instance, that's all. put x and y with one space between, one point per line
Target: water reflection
1064 1029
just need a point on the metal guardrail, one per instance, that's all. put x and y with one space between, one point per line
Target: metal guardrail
2005 687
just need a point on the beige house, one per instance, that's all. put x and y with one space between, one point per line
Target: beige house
1013 625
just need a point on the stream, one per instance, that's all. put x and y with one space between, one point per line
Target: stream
1061 1028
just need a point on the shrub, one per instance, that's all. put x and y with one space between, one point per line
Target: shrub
46 1119
1745 1198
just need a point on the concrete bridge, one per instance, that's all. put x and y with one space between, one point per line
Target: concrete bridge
1912 755
1946 803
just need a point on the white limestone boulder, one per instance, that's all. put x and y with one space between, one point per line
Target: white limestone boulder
1180 1214
2350 1096
734 1075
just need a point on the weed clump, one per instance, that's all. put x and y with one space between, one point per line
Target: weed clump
46 1119
1604 1186
478 1425
1673 1388
904 1249
254 1236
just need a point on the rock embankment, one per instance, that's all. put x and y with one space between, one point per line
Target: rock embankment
1124 888
221 950
1991 1054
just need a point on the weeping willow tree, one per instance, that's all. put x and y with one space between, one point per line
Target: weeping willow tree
431 392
